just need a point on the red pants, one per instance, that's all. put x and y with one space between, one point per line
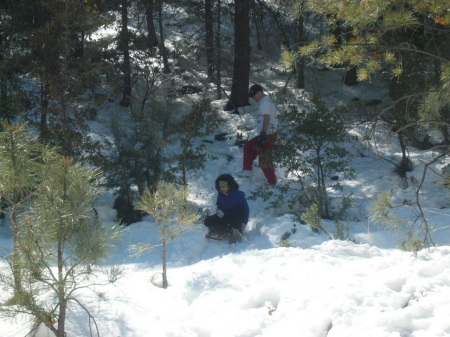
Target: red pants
265 154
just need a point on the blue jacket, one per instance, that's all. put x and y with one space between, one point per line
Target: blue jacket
233 202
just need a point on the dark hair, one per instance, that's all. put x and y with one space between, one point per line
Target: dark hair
228 178
254 89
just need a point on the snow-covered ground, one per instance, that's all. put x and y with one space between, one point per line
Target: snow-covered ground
315 288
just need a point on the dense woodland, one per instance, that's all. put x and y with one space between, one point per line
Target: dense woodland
63 60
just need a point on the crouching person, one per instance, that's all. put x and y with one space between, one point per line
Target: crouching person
232 209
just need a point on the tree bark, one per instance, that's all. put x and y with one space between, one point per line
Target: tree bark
241 67
300 66
209 39
17 274
164 273
166 68
151 30
218 54
124 39
350 77
61 292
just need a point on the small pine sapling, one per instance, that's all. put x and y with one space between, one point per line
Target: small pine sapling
313 219
172 213
62 245
311 150
417 233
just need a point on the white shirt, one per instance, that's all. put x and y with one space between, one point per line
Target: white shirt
267 107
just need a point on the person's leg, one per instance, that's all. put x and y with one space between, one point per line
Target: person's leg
235 220
250 153
266 160
214 222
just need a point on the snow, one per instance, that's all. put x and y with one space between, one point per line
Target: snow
255 287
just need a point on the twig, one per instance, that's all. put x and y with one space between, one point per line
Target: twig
90 317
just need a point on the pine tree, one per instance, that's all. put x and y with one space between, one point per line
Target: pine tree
134 159
172 214
58 244
408 40
20 174
201 121
63 64
149 6
417 234
12 96
124 41
241 67
209 38
310 148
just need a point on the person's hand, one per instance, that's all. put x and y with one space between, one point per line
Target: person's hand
262 139
220 214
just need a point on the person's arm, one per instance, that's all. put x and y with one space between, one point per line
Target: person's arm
266 123
263 134
244 205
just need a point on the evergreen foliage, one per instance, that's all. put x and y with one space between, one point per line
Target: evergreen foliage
311 150
416 231
172 213
408 40
59 244
51 42
134 159
312 217
200 122
21 171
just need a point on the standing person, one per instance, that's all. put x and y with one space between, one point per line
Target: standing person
232 209
262 145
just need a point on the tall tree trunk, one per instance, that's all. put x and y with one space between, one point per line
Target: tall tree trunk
151 30
61 292
218 53
278 18
350 77
17 274
209 39
162 47
44 133
405 163
164 273
124 44
3 87
241 67
300 66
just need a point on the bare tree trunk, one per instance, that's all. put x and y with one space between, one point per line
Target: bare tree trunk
300 66
218 54
163 50
61 291
43 129
209 39
350 77
16 255
151 30
405 163
164 273
124 39
241 68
